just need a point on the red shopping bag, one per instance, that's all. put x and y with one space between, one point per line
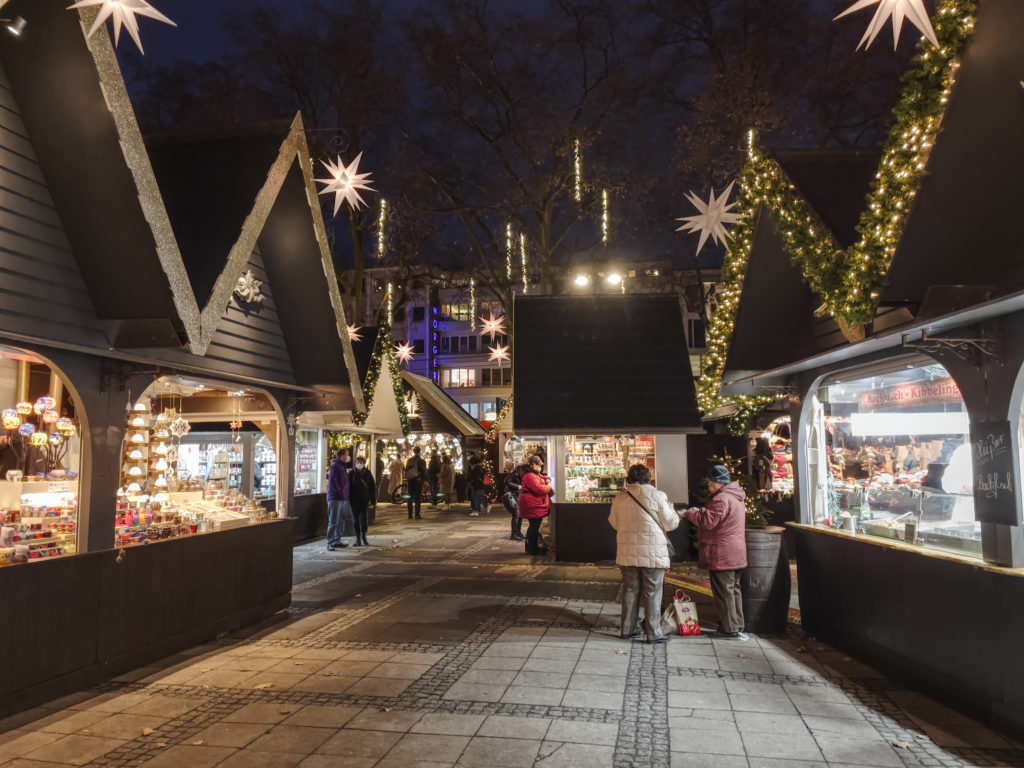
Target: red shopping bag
684 613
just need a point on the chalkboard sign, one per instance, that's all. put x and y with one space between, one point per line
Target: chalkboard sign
995 485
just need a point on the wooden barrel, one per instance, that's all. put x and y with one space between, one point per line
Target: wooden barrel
766 581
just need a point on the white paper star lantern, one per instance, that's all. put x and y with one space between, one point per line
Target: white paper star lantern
122 13
493 326
353 333
898 10
345 183
404 352
499 353
713 216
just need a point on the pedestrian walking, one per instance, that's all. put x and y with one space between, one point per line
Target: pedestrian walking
447 479
534 503
641 515
396 476
475 481
339 510
362 493
434 477
415 474
513 487
721 527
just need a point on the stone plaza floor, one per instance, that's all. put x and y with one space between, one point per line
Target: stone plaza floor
443 645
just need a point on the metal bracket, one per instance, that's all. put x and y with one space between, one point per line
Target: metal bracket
968 350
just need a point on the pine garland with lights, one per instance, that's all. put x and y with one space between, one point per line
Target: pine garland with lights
847 281
492 431
384 348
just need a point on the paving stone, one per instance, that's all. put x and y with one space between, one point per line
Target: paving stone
259 712
781 745
592 699
699 700
605 683
521 694
756 702
231 734
475 692
604 734
578 756
515 727
124 726
69 721
322 717
191 756
377 720
416 747
378 686
859 751
488 677
26 742
75 749
840 726
249 758
447 724
688 760
753 722
292 738
488 752
361 744
713 742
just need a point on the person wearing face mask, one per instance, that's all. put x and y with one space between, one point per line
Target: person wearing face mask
362 494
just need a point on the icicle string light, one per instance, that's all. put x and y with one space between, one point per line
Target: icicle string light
508 251
522 259
578 169
848 282
390 305
381 224
604 217
472 304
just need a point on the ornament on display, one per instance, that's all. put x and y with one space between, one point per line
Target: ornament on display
141 407
24 408
249 289
65 425
133 488
26 430
11 419
122 13
50 417
160 482
492 327
345 183
135 472
913 10
161 449
37 439
139 422
56 439
180 427
714 215
404 352
136 454
138 438
353 333
43 404
161 466
499 353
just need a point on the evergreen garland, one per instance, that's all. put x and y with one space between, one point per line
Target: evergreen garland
384 349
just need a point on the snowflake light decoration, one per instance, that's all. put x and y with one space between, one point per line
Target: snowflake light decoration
180 427
499 353
353 333
345 183
122 13
404 352
713 216
898 10
493 326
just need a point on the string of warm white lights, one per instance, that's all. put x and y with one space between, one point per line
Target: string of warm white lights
391 306
492 431
472 304
604 217
508 251
578 170
847 281
384 349
382 219
522 259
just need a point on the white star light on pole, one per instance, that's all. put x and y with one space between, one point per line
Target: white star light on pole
713 216
898 10
493 326
353 333
345 183
123 13
499 353
404 352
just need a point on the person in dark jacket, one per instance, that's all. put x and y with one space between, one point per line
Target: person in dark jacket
363 492
513 487
475 481
434 477
764 463
415 474
721 529
534 503
339 510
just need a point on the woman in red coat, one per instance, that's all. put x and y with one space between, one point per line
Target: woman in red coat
534 504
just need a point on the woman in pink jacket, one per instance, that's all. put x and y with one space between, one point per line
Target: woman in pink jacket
534 503
721 527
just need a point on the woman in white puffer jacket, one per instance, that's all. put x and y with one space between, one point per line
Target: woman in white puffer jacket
640 515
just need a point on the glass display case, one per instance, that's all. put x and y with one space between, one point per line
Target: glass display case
518 449
184 513
595 466
308 461
889 456
264 469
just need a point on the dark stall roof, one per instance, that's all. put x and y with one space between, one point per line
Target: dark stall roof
775 322
208 187
602 364
835 182
964 227
442 402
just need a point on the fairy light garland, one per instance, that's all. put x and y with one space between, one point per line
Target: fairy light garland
848 281
381 224
391 306
492 431
604 217
522 259
472 304
578 170
508 251
384 350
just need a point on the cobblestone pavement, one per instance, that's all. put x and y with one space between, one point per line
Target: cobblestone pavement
443 645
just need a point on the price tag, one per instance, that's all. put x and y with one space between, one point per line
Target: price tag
62 487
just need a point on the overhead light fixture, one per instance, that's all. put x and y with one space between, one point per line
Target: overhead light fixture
582 280
614 278
15 27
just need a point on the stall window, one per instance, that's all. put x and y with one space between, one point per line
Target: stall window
595 466
889 455
307 461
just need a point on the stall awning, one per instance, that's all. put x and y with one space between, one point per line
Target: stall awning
602 364
437 401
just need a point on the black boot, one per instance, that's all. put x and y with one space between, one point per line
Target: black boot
517 529
365 542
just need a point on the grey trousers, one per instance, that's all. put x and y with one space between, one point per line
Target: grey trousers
642 586
725 588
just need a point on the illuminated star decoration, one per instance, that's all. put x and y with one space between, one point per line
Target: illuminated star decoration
714 215
123 13
353 333
345 183
494 326
898 10
498 353
404 352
